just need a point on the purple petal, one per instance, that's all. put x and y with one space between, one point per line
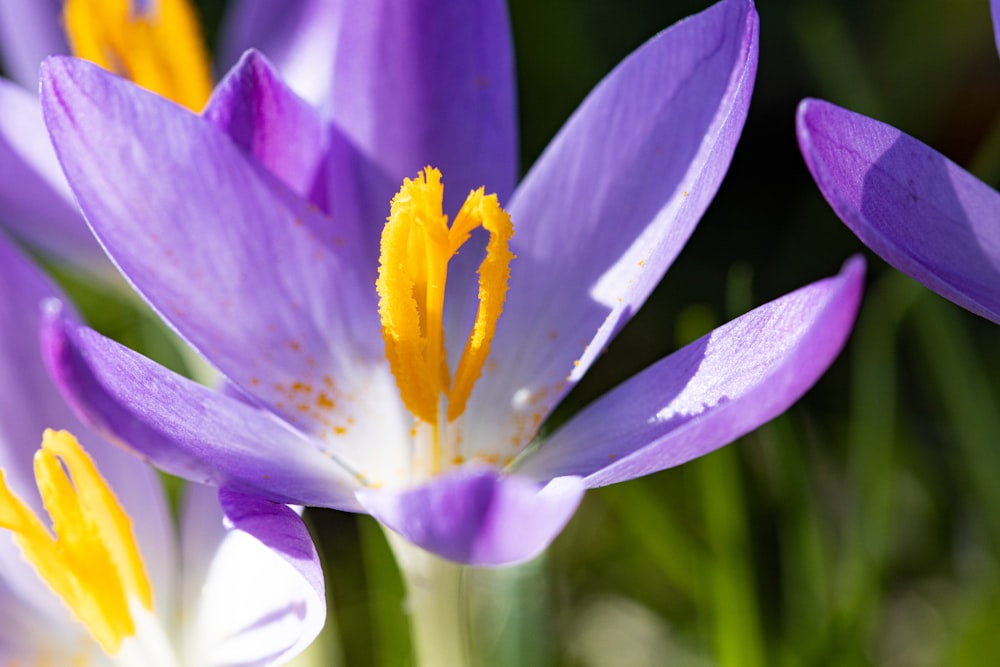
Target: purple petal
478 518
918 210
26 631
187 429
452 106
265 118
995 13
298 37
30 403
428 82
255 107
611 202
271 292
35 201
259 599
30 30
709 393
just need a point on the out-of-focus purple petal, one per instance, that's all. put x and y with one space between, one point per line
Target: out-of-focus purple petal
262 599
26 631
995 12
611 202
478 517
298 37
30 30
709 393
30 403
265 118
211 238
184 428
35 201
918 210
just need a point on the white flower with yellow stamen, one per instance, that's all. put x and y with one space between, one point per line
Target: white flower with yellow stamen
106 579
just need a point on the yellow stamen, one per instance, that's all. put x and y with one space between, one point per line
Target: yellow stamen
413 269
158 46
92 563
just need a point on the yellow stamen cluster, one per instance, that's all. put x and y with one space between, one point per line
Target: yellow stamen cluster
92 562
158 47
416 247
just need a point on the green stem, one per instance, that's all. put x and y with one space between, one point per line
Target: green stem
436 602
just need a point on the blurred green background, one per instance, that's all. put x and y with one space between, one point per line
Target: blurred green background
862 527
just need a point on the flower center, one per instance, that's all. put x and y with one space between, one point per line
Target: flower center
92 563
155 43
417 244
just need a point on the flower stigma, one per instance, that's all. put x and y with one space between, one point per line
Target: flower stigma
154 43
92 562
416 246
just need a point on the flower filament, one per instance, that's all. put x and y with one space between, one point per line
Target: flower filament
156 44
92 561
416 246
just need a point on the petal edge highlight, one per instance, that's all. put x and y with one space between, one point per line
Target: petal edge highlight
710 392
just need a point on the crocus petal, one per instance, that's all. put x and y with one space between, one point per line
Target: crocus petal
995 13
451 106
288 136
236 238
428 82
264 117
478 517
184 428
918 210
26 633
261 600
710 392
30 403
613 199
30 30
296 36
35 201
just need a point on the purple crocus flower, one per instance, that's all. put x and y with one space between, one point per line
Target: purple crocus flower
917 209
246 593
271 275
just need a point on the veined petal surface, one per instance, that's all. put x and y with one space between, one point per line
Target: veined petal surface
610 203
478 517
184 428
917 209
264 117
254 277
710 392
